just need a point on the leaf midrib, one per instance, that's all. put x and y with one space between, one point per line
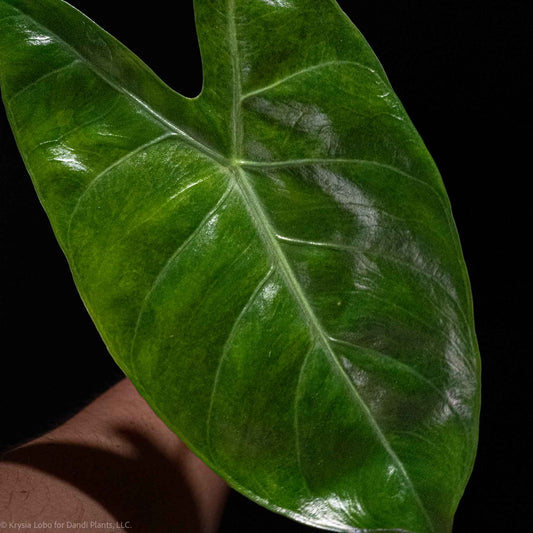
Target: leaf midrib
268 235
234 167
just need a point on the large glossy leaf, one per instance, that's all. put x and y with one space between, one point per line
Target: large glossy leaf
274 264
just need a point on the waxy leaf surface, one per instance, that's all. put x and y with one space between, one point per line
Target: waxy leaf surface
274 264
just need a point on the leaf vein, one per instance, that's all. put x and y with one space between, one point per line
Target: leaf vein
162 207
318 66
166 267
388 257
103 173
237 88
402 366
341 161
42 78
225 350
79 127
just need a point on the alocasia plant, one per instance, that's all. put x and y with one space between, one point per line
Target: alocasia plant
274 263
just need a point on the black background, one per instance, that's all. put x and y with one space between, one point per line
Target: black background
462 71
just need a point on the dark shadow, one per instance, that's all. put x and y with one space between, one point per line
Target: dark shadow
148 490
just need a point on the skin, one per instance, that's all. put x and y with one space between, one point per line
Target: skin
113 466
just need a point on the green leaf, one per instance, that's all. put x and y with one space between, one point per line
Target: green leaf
274 264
